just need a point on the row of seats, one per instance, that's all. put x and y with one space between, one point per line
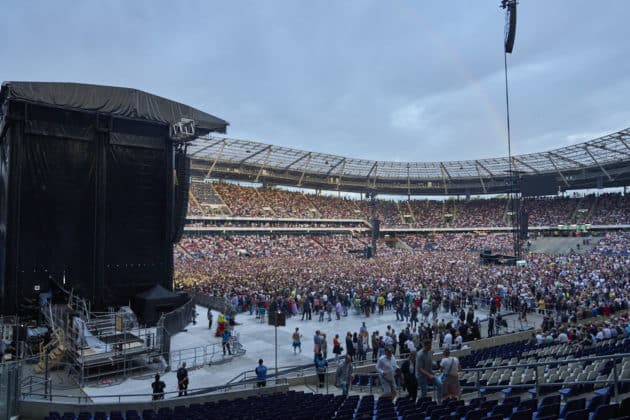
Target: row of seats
298 405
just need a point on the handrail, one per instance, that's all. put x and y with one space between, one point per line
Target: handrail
234 382
89 400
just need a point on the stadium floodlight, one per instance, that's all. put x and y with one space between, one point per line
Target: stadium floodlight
183 130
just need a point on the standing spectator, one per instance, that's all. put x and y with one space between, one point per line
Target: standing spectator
349 345
424 371
316 345
386 368
323 345
321 366
337 349
297 340
227 335
306 310
448 340
450 368
338 309
209 318
182 380
408 370
343 376
158 388
261 374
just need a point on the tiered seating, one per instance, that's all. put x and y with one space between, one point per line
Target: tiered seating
275 202
297 405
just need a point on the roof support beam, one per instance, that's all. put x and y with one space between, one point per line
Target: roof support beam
444 171
558 170
343 160
343 170
444 174
296 161
262 167
573 161
308 161
216 158
621 152
372 169
375 174
625 143
597 162
481 165
408 181
483 185
525 164
209 146
255 154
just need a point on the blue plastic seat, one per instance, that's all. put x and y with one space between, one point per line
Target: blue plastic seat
573 405
606 412
577 415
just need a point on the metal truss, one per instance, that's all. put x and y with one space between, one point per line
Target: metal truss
284 165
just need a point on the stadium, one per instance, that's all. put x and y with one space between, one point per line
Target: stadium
153 267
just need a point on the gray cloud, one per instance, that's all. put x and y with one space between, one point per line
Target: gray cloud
380 80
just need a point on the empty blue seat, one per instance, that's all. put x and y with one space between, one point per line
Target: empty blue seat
521 415
606 412
596 401
577 415
573 405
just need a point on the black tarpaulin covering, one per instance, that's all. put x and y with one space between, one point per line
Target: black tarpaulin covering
4 198
87 191
150 304
122 102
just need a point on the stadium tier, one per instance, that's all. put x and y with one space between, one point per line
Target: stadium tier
227 200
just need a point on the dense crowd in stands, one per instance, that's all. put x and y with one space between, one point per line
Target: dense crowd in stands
244 201
276 223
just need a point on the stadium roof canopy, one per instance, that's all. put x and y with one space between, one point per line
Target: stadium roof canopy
599 163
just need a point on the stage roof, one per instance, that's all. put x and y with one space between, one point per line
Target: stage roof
598 163
122 102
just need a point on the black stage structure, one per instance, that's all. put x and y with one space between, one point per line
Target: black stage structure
93 189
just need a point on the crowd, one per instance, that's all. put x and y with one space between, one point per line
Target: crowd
298 273
316 279
244 201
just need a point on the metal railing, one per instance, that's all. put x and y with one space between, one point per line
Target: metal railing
210 354
85 400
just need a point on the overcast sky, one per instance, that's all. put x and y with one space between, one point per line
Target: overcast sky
387 80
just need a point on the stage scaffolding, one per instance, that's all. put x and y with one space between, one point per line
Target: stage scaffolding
95 345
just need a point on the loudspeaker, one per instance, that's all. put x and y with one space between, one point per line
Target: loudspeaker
376 228
277 319
524 227
182 184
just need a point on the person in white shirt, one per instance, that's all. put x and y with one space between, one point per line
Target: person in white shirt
450 367
386 368
600 335
410 345
563 337
448 340
459 340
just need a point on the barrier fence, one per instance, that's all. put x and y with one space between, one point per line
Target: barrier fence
306 374
171 323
